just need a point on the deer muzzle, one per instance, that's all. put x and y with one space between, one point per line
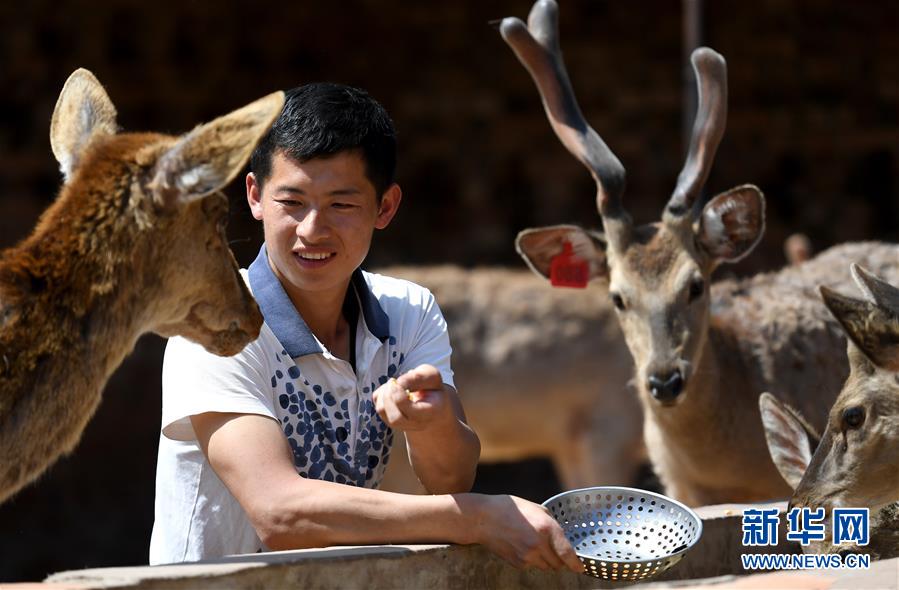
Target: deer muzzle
666 387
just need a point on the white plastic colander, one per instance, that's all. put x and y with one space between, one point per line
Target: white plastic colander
625 534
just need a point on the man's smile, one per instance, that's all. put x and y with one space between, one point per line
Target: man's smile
314 259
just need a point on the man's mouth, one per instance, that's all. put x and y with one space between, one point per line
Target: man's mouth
313 256
313 260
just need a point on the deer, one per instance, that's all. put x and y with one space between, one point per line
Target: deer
507 327
702 352
856 461
134 243
524 358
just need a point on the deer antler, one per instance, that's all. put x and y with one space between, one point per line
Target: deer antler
537 47
711 117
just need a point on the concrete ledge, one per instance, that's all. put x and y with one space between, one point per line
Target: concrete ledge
713 563
414 566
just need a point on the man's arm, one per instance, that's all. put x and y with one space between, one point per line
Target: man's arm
446 462
443 450
251 456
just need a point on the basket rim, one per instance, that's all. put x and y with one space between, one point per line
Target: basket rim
616 489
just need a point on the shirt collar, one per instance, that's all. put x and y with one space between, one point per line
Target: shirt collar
286 323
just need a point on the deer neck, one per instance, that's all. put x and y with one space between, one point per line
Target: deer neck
70 311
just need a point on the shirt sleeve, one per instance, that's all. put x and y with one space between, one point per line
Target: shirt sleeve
430 343
195 381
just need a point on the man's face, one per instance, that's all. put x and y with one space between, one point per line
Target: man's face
319 217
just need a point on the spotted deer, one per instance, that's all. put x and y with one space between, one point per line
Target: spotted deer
525 365
856 462
134 243
702 351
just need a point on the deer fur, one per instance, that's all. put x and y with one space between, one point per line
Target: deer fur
526 367
702 352
133 243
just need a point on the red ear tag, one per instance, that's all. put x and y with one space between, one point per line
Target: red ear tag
568 270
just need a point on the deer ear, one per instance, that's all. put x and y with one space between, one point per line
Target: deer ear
876 290
791 441
732 223
539 245
872 328
83 111
209 157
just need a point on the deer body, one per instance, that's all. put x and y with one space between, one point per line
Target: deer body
133 243
770 332
532 384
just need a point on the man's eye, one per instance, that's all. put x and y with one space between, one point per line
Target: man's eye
343 205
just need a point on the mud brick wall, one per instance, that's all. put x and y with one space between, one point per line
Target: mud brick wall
814 121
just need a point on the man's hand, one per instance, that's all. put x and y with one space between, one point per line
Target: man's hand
525 534
443 450
415 401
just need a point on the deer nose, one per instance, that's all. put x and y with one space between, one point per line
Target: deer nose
666 387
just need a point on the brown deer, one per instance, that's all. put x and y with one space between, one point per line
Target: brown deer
702 352
856 463
526 365
134 243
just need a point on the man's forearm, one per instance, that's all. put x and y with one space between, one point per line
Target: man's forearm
445 460
315 513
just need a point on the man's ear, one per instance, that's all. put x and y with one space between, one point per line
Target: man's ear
732 223
83 111
791 440
539 245
872 328
254 195
209 157
390 203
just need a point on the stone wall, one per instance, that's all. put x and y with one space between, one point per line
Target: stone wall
713 562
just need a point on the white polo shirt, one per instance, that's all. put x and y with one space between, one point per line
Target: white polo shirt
322 405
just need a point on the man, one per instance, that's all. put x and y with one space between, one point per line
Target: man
343 359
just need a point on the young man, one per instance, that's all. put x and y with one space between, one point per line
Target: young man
282 445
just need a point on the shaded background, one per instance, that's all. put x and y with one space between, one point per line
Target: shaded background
814 121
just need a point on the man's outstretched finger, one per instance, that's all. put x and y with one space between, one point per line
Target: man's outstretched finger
421 377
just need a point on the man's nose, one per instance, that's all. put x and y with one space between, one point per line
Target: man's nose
313 225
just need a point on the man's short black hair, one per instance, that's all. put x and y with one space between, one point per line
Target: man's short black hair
323 119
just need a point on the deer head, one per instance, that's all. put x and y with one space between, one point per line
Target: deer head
857 462
791 444
658 274
154 202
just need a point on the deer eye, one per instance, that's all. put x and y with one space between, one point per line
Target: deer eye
617 301
697 288
853 417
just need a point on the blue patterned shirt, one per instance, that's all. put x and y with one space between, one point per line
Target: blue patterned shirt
322 404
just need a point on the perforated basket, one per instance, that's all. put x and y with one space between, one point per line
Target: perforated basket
625 534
